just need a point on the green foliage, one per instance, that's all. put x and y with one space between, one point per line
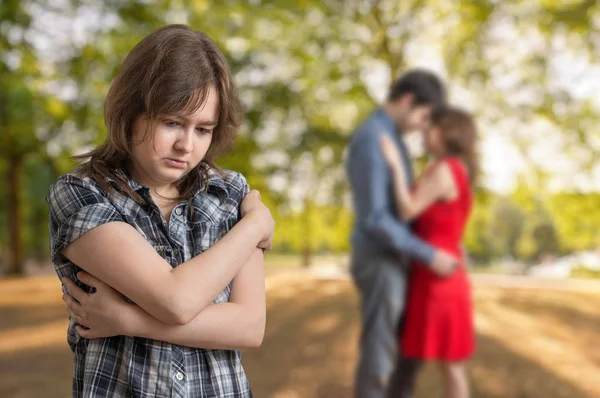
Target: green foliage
584 273
577 216
523 226
300 70
324 229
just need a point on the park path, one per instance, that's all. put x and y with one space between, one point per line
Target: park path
333 272
541 336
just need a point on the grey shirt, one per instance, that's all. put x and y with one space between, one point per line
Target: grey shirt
377 226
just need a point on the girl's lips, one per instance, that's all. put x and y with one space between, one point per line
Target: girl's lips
180 164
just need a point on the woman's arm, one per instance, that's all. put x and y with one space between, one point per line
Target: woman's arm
433 186
237 324
117 254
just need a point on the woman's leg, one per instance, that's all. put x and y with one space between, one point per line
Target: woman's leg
456 383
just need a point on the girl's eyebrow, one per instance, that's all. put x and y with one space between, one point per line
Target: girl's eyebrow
201 122
208 123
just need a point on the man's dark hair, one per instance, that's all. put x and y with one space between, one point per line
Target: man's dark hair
425 86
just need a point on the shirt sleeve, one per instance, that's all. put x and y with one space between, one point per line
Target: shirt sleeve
237 189
76 206
369 177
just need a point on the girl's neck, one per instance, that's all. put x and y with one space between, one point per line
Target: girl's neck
165 193
157 190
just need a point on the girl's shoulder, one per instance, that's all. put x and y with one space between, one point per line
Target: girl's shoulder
76 181
457 167
448 164
438 167
231 183
221 200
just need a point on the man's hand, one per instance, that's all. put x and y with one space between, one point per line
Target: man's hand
444 264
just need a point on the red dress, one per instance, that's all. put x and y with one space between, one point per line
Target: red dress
438 323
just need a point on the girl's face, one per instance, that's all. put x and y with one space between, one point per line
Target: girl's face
174 146
433 141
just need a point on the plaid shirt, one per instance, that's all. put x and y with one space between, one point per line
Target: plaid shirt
124 366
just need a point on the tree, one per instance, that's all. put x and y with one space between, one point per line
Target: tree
17 132
576 216
308 72
508 226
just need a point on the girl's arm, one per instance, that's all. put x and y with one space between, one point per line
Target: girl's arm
114 252
237 324
435 185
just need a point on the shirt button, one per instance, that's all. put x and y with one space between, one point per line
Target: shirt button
178 211
179 376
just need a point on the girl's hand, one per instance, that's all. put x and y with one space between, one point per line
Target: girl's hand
103 313
391 154
252 206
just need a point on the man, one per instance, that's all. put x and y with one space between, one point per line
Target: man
382 244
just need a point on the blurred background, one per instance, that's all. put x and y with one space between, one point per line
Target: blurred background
308 72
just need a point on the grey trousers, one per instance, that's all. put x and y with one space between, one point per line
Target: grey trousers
381 371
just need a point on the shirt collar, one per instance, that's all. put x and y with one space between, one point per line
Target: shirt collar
133 184
216 183
390 126
387 121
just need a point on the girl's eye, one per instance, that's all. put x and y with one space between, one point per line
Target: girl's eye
202 130
172 123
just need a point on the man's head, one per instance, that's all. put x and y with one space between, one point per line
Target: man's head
414 98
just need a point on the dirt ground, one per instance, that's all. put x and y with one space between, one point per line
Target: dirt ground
531 342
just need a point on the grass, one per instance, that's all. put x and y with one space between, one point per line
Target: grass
275 261
282 260
584 273
532 343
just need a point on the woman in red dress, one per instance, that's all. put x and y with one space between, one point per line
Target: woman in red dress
438 323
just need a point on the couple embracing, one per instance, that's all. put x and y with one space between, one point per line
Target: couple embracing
408 263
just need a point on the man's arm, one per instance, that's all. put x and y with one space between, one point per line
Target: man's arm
369 177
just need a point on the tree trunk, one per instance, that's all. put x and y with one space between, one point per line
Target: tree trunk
40 246
15 264
307 254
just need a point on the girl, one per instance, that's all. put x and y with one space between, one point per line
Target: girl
438 323
150 217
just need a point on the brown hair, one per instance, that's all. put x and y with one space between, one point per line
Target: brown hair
169 72
459 134
425 87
